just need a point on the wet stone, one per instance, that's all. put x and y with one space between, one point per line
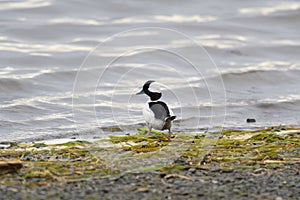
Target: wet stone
250 120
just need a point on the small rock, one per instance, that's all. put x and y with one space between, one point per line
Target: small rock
192 170
39 145
251 120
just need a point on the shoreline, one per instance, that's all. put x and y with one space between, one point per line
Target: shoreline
112 130
233 165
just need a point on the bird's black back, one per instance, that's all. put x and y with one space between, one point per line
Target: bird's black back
160 110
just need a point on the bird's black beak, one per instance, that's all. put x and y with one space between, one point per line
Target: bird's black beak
141 92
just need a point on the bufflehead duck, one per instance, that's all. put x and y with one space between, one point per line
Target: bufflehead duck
157 114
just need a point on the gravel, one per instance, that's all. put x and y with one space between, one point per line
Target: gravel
276 184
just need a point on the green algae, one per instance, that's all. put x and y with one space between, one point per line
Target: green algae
75 143
141 142
68 161
174 168
120 139
81 160
264 148
38 174
260 147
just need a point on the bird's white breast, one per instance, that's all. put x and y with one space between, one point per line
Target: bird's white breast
150 119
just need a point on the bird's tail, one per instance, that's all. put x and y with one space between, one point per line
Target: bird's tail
171 118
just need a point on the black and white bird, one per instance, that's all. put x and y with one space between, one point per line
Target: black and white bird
157 114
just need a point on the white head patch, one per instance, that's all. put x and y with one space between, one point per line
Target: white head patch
154 87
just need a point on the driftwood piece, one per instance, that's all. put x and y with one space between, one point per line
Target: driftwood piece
10 166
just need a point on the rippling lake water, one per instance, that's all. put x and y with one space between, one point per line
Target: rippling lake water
71 68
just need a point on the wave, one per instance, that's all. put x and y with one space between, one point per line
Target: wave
59 76
257 74
15 86
280 104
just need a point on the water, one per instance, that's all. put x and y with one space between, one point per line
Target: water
55 82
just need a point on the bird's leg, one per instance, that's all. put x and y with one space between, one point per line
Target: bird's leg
149 130
170 132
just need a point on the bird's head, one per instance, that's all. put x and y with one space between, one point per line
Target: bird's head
152 89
